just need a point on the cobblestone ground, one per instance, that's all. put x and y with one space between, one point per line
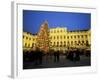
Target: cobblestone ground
48 62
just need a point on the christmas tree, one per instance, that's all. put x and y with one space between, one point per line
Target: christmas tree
43 37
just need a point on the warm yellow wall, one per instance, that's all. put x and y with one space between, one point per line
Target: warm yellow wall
80 37
29 40
60 35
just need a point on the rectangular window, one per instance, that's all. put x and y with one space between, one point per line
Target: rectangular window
67 37
64 37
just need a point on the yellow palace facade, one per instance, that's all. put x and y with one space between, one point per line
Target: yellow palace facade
60 38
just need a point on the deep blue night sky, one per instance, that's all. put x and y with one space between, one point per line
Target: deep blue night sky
32 20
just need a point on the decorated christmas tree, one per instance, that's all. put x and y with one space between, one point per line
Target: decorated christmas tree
43 37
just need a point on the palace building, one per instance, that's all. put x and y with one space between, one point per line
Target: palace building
58 38
29 41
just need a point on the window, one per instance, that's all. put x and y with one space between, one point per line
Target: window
57 43
67 37
26 37
25 44
75 42
74 36
33 45
81 36
83 42
86 42
23 36
71 42
68 42
71 37
29 38
79 42
57 37
54 37
78 36
86 36
54 43
64 43
61 42
28 45
50 43
60 37
64 37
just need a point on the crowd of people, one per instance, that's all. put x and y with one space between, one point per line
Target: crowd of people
37 56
